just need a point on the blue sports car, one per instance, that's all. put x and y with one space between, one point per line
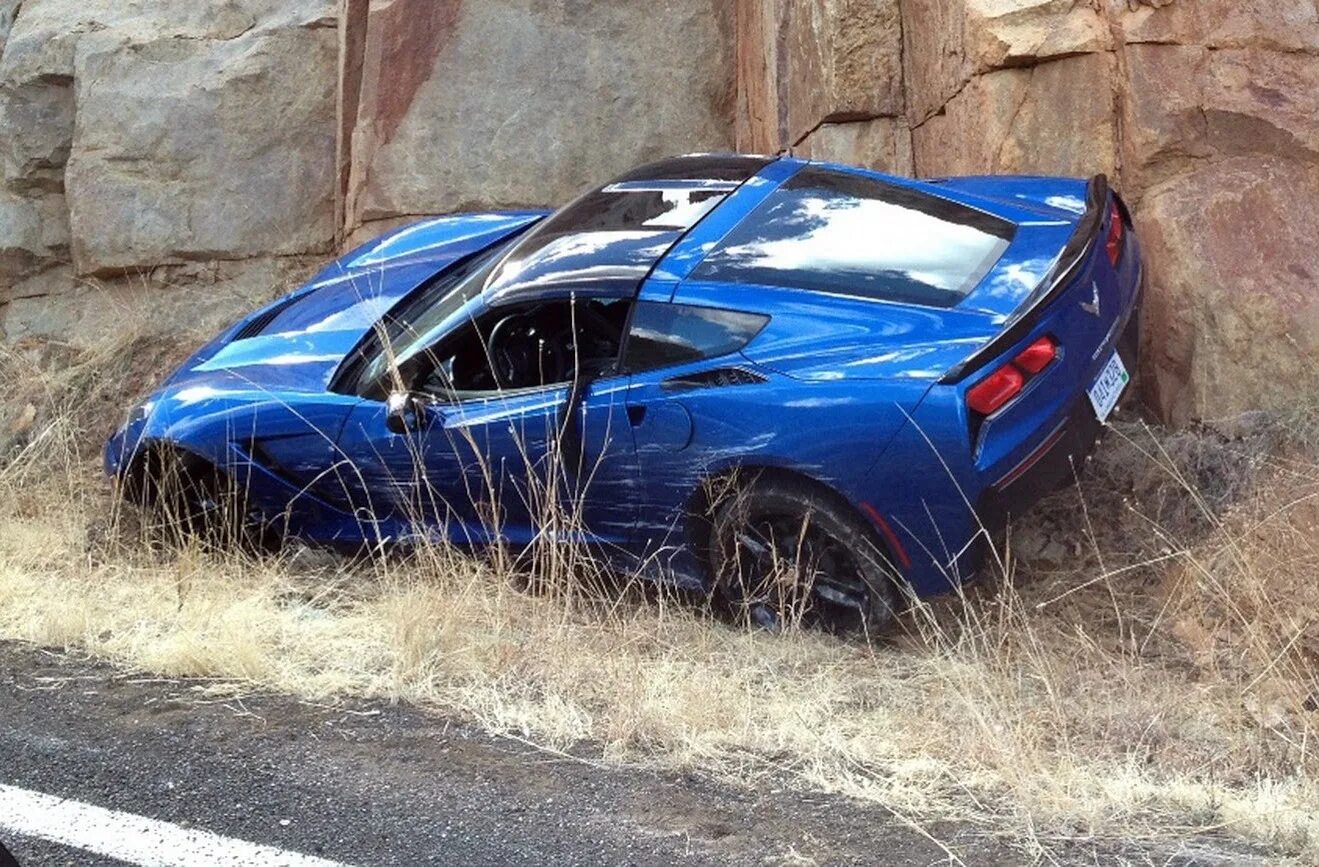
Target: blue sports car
806 387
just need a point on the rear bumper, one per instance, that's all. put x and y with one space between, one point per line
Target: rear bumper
1060 458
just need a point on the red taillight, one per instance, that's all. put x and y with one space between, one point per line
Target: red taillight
1037 356
1000 387
995 390
1115 231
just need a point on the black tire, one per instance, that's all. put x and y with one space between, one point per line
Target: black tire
186 498
786 552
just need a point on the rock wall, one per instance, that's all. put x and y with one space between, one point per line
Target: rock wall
478 103
165 164
1205 112
171 162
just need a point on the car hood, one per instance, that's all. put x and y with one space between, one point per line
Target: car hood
297 342
299 361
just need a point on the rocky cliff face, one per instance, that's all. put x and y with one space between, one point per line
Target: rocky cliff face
172 161
1206 112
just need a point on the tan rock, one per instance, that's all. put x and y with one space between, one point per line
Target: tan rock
1287 25
202 149
38 71
1054 118
33 234
1233 311
760 127
1263 101
934 54
37 65
8 9
511 102
949 41
1188 103
1164 124
1003 33
883 144
43 110
196 299
844 62
46 33
761 124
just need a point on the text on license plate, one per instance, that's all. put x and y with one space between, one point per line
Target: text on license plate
1108 387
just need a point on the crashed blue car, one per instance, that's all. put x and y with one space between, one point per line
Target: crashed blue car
809 388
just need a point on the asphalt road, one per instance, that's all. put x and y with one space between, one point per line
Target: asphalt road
382 785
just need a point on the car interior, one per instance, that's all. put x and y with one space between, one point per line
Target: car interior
524 347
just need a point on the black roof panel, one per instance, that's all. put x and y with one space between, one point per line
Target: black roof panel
699 167
607 241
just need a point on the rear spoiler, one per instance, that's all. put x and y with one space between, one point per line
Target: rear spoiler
1070 261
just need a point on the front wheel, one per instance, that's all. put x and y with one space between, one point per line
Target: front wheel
786 554
185 498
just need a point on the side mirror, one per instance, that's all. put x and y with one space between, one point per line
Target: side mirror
405 412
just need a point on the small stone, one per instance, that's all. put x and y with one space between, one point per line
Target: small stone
23 422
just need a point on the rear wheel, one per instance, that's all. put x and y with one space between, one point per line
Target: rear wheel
785 553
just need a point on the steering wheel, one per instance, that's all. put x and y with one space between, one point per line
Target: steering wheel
523 356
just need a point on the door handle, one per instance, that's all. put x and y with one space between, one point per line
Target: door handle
636 413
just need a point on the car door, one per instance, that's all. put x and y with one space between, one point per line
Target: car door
490 467
682 357
472 462
520 472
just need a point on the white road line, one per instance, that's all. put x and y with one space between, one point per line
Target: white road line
133 838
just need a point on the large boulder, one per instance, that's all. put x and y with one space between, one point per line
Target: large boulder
1221 155
947 42
761 116
1058 118
165 99
1188 103
843 62
883 143
802 65
1233 271
1286 25
37 63
202 149
33 233
514 102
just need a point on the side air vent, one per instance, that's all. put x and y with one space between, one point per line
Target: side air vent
717 378
263 319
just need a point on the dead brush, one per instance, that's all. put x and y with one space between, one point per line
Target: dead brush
1143 665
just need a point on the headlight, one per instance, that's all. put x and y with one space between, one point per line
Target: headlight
141 412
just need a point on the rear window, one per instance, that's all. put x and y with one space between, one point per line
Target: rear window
845 234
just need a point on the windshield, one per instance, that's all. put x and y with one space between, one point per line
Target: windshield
417 323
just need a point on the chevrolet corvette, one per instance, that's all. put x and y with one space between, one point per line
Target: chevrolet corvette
807 388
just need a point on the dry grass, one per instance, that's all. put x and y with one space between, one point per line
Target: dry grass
1149 665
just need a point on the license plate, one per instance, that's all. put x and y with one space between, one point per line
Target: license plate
1108 387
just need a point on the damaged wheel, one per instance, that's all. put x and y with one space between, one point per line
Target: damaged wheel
784 553
184 497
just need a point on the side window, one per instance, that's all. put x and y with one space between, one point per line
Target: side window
663 334
522 347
